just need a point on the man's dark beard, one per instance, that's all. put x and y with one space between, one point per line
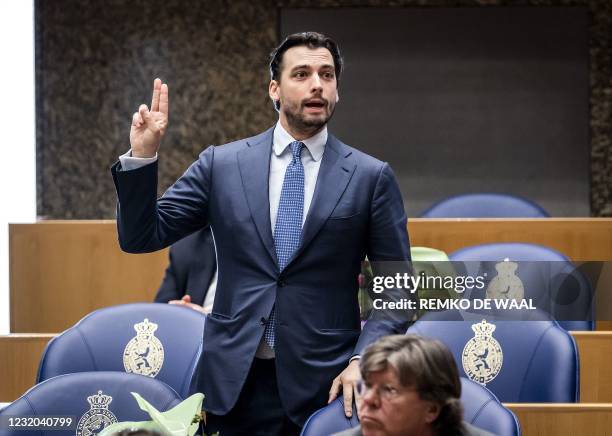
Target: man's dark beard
303 125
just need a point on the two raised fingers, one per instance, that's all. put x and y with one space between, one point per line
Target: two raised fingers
159 101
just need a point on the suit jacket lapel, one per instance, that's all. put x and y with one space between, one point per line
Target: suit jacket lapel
334 175
254 164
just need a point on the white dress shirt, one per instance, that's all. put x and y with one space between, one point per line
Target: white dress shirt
209 299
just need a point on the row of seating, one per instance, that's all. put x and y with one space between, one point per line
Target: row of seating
84 369
144 353
90 401
165 341
530 361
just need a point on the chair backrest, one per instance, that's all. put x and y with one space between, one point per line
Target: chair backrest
329 420
153 339
485 205
480 408
519 361
546 274
94 400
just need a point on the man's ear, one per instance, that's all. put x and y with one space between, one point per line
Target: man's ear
273 90
337 97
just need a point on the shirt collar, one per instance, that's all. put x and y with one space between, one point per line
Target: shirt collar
315 144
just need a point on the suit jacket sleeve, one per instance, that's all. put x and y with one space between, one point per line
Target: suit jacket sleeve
146 224
387 243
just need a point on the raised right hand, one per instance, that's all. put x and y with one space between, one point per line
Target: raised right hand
148 126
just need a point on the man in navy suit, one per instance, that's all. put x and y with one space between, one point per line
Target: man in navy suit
191 276
284 334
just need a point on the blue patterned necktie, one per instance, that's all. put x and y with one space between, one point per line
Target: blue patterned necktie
288 228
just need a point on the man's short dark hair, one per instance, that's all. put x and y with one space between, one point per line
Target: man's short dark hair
423 363
309 39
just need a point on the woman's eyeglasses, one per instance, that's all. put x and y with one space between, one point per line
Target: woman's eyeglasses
384 392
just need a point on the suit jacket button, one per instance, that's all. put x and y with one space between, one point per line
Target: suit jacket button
280 282
263 321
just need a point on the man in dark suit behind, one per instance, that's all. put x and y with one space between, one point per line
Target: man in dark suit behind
294 212
191 276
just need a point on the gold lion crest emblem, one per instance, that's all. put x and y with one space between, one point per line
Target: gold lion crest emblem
144 354
482 356
98 417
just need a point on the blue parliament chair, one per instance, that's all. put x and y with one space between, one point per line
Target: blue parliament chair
532 360
330 419
93 400
485 205
480 408
156 340
547 275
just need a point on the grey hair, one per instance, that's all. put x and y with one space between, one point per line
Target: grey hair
423 363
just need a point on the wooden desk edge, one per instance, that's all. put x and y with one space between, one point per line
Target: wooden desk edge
25 336
578 334
410 220
559 407
536 220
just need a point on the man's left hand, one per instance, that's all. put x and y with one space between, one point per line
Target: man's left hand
347 381
186 302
